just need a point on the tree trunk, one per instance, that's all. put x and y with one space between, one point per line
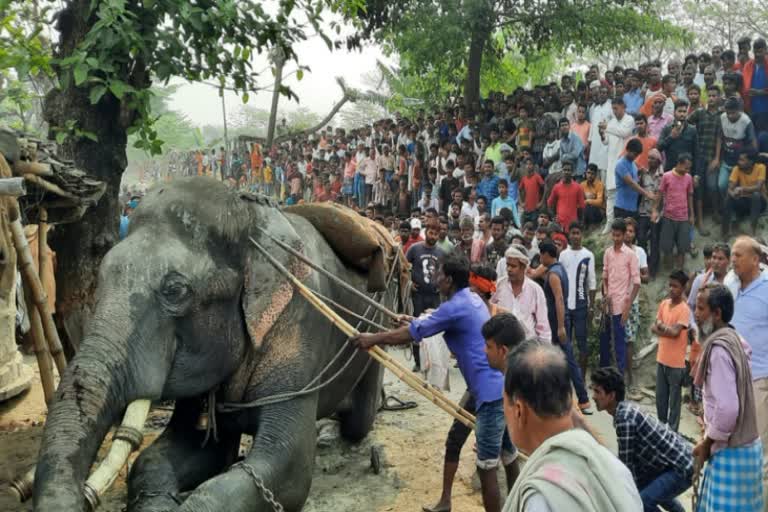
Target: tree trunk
80 246
481 31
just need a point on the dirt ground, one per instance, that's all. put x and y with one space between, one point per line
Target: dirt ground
410 444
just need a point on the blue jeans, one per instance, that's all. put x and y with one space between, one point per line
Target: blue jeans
359 189
662 492
491 434
619 344
576 328
573 368
718 181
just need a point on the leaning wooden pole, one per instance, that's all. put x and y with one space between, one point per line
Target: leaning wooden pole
43 258
421 387
39 299
41 353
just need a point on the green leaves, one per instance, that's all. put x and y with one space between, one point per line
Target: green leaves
96 93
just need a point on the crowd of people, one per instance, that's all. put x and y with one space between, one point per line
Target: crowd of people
491 207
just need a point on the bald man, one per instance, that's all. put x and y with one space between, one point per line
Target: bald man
567 469
750 318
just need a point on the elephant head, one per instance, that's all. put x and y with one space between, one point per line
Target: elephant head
180 302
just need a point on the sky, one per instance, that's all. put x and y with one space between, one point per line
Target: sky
317 90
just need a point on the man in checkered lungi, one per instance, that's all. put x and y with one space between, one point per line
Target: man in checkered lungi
732 479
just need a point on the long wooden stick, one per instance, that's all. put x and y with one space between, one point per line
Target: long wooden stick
351 289
377 353
43 258
40 301
41 352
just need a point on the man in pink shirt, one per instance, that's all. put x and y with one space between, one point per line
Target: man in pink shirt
676 191
621 283
731 442
522 297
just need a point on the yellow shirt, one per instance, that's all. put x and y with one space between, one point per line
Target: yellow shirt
267 174
742 179
598 189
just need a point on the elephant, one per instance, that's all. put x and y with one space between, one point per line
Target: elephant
187 309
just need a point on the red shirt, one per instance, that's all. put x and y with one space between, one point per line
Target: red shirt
532 186
570 198
408 243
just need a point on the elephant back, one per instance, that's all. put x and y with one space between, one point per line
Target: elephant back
357 240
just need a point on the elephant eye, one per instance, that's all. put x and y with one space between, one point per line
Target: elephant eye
175 288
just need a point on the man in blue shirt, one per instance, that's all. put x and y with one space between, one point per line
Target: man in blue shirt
628 190
750 319
460 318
505 201
489 185
633 98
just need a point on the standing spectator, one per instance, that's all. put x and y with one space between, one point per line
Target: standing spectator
676 192
731 442
736 134
633 98
658 118
443 242
671 326
660 460
649 143
581 126
706 120
613 133
594 197
648 228
598 116
531 191
568 469
556 294
504 201
632 327
489 184
627 188
746 192
567 198
473 248
423 257
415 235
621 283
755 86
579 264
750 319
521 296
572 149
678 137
495 249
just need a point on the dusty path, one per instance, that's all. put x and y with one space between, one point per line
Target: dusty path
411 443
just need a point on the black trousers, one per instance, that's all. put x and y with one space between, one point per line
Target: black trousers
749 206
421 303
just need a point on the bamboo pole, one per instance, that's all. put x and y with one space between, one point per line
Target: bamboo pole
54 345
40 301
41 352
421 387
357 293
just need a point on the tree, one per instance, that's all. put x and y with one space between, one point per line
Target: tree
107 55
447 41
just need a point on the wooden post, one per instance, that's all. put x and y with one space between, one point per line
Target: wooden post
54 344
39 300
41 352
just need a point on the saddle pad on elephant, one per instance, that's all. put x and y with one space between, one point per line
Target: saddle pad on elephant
357 240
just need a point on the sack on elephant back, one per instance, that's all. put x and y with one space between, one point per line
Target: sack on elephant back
357 240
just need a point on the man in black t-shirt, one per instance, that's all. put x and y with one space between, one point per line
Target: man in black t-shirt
423 257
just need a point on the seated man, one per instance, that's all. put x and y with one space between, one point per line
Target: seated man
660 460
746 192
594 195
567 469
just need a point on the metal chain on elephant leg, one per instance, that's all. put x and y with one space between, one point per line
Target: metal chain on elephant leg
266 493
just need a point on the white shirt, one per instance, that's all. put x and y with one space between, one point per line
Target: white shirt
469 210
616 133
642 257
571 260
598 150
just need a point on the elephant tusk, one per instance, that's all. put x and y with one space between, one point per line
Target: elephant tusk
127 439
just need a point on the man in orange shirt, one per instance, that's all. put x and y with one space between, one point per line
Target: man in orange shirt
641 127
671 326
594 197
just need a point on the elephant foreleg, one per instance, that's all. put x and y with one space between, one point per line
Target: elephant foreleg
280 462
177 462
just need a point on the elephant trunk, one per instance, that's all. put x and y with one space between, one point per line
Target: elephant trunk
89 400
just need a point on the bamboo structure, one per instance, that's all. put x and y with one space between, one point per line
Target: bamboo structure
43 255
39 299
41 353
421 387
